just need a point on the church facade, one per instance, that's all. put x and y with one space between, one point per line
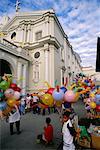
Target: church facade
36 49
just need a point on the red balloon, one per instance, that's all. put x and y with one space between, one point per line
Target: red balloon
50 90
13 86
18 89
98 108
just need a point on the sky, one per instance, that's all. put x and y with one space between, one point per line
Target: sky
80 20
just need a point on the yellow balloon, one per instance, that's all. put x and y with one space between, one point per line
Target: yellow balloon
92 105
47 99
92 95
11 102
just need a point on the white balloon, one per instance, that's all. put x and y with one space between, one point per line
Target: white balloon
16 95
9 93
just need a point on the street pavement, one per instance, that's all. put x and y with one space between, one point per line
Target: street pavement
31 126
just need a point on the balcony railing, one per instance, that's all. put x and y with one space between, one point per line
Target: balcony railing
14 49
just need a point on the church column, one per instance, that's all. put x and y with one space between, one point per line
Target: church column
29 33
19 68
24 78
46 55
24 36
21 34
18 36
47 25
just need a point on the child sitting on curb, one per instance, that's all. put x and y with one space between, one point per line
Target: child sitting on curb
47 136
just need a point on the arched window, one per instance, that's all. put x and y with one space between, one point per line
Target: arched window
13 36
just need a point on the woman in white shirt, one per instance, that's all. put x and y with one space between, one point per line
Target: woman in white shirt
14 117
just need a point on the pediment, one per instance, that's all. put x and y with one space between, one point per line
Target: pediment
15 21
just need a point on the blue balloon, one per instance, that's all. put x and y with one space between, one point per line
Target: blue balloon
97 99
3 105
86 81
89 84
58 95
97 96
63 89
97 102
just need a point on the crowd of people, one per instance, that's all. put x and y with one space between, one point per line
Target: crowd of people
31 103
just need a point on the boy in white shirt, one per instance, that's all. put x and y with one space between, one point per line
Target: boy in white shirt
66 130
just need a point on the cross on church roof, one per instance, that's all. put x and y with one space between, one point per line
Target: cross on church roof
17 5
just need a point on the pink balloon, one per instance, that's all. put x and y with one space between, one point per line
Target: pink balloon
69 96
16 95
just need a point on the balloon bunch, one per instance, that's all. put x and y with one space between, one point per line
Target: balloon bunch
87 89
9 95
56 96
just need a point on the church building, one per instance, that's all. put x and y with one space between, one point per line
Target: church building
34 48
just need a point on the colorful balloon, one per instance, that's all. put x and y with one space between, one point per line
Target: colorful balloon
69 96
11 102
97 99
98 108
50 90
87 107
18 89
93 105
13 86
1 94
4 85
47 99
3 105
97 96
92 95
16 95
9 93
63 89
58 96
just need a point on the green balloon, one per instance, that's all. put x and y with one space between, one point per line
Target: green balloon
4 85
1 94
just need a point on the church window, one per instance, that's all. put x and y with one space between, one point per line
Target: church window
37 55
13 35
36 72
38 35
62 53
